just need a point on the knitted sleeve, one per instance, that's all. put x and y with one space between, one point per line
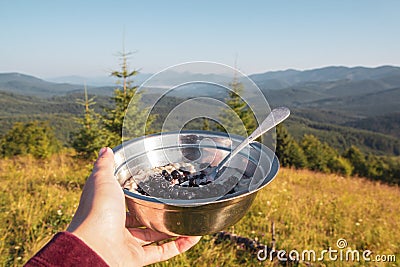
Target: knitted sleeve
65 249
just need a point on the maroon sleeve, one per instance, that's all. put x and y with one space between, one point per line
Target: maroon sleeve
65 249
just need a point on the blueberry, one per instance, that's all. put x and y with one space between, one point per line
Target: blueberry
176 175
182 179
192 182
141 191
166 175
185 172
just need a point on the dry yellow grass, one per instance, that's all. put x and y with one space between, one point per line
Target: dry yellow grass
310 211
38 199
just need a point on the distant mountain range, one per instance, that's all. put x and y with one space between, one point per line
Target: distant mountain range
23 84
330 96
330 80
95 81
291 77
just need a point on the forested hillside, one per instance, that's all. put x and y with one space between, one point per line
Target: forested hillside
341 106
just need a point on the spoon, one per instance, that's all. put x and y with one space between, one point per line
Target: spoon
274 118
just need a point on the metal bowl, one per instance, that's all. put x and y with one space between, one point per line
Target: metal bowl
192 218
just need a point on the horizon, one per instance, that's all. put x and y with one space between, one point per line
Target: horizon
50 78
51 39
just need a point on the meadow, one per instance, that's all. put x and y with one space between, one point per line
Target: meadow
310 211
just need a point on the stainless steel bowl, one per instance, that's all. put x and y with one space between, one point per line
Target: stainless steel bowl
200 218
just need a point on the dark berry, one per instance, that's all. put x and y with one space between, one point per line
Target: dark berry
192 182
182 179
175 174
141 191
185 172
166 175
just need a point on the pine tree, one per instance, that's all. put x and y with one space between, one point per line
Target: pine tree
132 121
287 150
296 155
90 138
283 141
239 119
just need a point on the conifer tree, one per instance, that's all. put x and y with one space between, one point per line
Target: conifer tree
247 123
287 150
296 155
136 120
90 138
283 141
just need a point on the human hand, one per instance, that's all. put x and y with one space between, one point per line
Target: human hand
101 218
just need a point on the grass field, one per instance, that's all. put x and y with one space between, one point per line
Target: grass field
310 211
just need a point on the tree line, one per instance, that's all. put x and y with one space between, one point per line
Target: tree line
96 129
105 129
313 154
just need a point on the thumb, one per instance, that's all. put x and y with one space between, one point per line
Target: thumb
100 185
103 169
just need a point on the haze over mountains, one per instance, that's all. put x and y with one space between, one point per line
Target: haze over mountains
319 98
360 91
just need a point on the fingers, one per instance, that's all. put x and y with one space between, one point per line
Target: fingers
148 236
131 221
168 250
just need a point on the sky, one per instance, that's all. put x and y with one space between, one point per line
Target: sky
61 38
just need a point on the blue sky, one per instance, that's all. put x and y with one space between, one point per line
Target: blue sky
57 38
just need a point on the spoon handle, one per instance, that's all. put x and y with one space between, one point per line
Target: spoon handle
276 116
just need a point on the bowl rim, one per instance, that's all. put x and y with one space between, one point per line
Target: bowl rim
256 145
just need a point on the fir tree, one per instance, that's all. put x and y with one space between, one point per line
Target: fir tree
132 121
297 158
239 119
287 150
90 138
